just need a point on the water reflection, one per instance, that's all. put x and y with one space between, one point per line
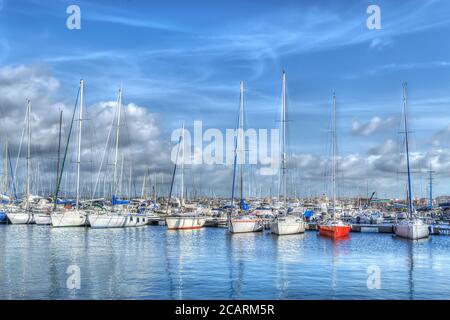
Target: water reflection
288 255
241 250
210 263
66 247
413 253
183 248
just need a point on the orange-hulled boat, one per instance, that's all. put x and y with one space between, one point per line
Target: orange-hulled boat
334 229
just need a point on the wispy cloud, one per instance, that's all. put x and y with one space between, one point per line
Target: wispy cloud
376 124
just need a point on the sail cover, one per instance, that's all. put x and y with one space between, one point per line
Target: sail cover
308 213
244 205
116 201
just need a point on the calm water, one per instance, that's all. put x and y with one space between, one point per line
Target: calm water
154 263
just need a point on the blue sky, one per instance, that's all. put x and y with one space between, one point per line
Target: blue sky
183 60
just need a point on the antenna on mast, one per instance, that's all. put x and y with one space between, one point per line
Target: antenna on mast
430 172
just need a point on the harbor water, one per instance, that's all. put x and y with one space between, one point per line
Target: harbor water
38 262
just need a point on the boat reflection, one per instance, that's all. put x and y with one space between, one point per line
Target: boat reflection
181 247
240 249
289 256
412 247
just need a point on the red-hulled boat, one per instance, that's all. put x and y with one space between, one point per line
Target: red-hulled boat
334 229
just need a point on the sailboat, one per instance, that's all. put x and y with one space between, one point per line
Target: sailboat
42 216
113 218
24 215
6 202
4 199
411 228
134 217
285 223
334 228
182 219
240 221
72 217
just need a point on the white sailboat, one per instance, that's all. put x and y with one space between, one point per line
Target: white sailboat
240 221
106 220
42 217
285 223
113 218
182 219
185 221
70 217
134 218
412 228
24 215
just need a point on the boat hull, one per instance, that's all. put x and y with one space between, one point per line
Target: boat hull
412 231
130 221
334 231
184 223
103 221
20 217
68 220
141 220
42 219
3 217
245 225
285 227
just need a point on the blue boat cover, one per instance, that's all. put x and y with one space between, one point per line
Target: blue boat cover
228 206
65 201
244 205
308 213
116 201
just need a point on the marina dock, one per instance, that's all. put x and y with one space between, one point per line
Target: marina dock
379 228
437 229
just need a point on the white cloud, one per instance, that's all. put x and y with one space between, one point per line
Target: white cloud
142 144
374 125
140 140
441 138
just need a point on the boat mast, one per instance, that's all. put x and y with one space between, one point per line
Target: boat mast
173 174
59 158
80 119
129 184
5 169
182 167
283 137
120 184
333 158
116 157
235 153
241 132
28 153
431 188
143 183
155 181
67 147
13 184
405 111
